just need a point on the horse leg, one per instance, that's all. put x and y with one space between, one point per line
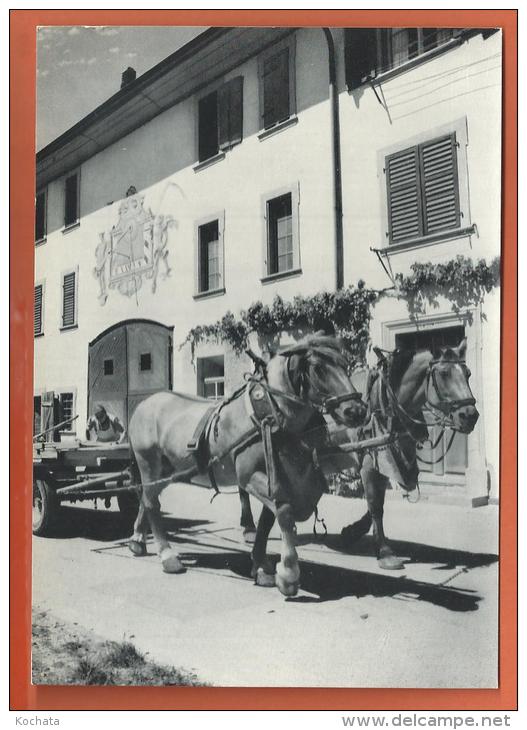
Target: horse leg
137 543
375 488
151 472
262 569
287 570
246 519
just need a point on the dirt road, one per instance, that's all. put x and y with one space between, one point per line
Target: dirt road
352 625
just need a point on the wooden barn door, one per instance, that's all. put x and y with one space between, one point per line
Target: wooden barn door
149 361
108 374
451 469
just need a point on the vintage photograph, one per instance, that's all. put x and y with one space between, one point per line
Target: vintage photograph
267 356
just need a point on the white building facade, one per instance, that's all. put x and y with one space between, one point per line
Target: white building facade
211 182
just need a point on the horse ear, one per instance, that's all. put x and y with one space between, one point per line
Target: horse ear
461 350
438 353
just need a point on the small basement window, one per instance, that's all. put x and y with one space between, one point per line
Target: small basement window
108 367
211 377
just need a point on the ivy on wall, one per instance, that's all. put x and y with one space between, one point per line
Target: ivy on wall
347 312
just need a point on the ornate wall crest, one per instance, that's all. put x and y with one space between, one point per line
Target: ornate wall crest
133 249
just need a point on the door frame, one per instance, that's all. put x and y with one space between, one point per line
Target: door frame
476 482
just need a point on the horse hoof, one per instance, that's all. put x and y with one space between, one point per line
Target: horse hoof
391 562
172 564
354 532
263 579
249 535
285 587
137 548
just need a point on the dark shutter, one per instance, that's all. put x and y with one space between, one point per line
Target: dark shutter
68 300
360 55
230 113
40 216
276 97
71 208
208 126
207 233
404 199
38 325
440 184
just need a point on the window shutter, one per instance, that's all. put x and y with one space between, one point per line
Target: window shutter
438 160
38 310
230 113
360 55
71 213
208 126
40 217
404 200
68 299
276 107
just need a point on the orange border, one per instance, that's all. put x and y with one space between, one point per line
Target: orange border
24 696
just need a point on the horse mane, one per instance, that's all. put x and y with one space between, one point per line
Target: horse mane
323 347
398 363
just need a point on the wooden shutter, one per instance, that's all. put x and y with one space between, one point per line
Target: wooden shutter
360 55
40 216
68 300
38 324
438 162
404 198
276 96
71 208
208 126
230 113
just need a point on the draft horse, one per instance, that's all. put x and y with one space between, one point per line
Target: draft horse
404 386
255 439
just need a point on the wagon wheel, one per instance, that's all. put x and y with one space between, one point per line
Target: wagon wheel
128 506
46 508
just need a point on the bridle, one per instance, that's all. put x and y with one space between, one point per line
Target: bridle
442 408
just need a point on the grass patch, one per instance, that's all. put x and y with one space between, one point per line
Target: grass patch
67 654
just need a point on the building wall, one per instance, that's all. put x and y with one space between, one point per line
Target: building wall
159 160
460 89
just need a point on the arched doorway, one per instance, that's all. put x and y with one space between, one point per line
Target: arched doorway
128 362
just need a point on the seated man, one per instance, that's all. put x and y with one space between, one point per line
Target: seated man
104 427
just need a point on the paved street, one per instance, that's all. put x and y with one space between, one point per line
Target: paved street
353 625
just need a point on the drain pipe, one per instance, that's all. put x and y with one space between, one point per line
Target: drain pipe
336 162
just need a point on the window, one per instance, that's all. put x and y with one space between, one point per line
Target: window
71 200
40 216
211 377
277 84
220 119
37 417
210 257
38 323
145 361
370 52
69 299
108 366
423 190
280 250
67 411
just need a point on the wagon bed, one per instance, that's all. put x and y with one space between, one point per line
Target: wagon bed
79 471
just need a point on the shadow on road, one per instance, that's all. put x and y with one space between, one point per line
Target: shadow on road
331 583
413 552
106 525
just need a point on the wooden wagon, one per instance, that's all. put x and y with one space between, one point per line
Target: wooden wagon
78 471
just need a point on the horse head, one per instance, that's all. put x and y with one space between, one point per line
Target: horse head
438 382
315 370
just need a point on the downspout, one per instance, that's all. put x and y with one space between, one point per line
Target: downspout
336 162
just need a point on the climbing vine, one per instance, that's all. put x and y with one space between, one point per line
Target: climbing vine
347 312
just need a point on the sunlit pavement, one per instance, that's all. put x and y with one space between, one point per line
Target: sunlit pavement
433 624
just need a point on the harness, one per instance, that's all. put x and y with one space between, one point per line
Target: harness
441 410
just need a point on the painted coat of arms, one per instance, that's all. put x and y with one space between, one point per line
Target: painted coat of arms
133 249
